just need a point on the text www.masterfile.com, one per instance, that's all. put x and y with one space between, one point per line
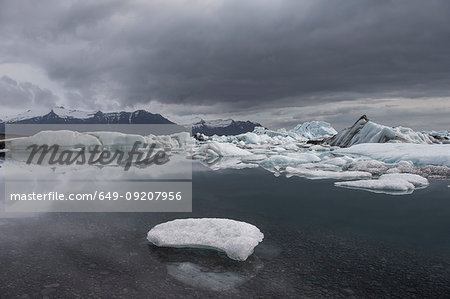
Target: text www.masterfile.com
97 195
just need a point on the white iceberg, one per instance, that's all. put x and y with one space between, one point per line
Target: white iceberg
276 161
64 138
176 141
392 183
218 163
116 138
417 180
314 130
282 137
214 148
418 154
366 164
326 174
336 161
365 131
237 239
67 138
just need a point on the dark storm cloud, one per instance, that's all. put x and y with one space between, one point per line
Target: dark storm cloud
238 53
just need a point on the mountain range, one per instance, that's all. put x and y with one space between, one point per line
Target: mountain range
61 115
223 127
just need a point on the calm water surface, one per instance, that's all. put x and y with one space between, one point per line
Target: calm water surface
320 241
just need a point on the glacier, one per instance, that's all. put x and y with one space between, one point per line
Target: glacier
236 238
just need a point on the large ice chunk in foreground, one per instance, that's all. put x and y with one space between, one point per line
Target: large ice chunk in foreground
237 239
393 183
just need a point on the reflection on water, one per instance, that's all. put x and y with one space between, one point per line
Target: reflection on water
206 269
198 276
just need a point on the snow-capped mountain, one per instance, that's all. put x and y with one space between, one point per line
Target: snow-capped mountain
61 115
223 127
366 131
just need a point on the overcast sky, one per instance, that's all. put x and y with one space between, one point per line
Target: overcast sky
273 61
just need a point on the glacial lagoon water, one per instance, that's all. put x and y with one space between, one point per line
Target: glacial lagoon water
320 241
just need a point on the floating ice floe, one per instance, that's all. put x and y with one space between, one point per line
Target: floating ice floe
418 154
326 174
237 239
221 150
393 183
275 161
216 163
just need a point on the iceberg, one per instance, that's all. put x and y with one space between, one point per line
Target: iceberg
443 136
176 141
218 163
285 160
418 154
366 131
337 161
64 138
417 180
393 183
214 148
327 174
237 239
314 130
366 164
366 149
282 137
116 138
74 139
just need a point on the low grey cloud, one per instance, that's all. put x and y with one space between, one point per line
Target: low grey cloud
14 94
236 54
